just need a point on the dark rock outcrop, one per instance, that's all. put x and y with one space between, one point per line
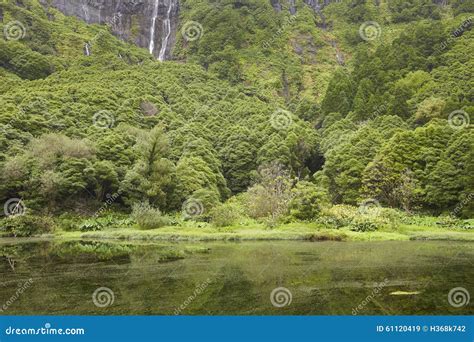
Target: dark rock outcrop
316 5
292 7
276 5
137 21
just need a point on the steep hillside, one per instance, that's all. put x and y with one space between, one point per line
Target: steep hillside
298 105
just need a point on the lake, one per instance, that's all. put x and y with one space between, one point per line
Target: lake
228 278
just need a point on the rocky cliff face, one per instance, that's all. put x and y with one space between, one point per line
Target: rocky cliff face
317 5
151 24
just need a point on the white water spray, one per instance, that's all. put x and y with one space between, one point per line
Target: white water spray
166 33
85 9
87 50
152 29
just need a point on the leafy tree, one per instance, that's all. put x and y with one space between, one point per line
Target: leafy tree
339 95
151 175
270 198
307 201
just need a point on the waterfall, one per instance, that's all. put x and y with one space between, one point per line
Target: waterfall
87 50
166 33
152 29
85 9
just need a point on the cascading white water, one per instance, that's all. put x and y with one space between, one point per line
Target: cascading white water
151 47
85 9
166 32
87 50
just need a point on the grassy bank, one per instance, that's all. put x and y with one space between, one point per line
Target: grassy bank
340 223
293 231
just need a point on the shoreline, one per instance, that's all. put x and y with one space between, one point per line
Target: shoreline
282 233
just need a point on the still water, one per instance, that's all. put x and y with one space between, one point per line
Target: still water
228 278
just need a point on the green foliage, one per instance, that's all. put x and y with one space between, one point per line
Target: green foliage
27 225
90 225
134 130
409 10
453 223
306 201
338 216
363 225
151 174
269 199
226 214
24 62
148 217
80 250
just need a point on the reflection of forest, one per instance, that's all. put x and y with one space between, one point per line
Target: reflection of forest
324 278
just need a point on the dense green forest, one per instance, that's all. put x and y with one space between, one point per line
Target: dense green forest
266 117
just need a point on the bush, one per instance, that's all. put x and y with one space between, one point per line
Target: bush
148 217
363 224
199 206
70 222
451 222
24 62
306 202
90 225
269 199
339 215
226 214
77 250
27 225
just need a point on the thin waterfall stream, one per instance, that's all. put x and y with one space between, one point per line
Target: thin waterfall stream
151 47
167 33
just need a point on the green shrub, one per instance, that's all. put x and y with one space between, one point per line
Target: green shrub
390 215
70 222
27 225
90 225
199 206
330 221
77 250
148 217
339 215
24 62
306 202
226 214
363 225
451 222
